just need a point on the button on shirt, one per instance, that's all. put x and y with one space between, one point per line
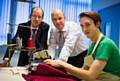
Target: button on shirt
74 41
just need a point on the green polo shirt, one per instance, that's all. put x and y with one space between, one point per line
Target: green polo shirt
107 50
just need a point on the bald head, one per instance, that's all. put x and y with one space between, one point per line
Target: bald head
57 11
58 18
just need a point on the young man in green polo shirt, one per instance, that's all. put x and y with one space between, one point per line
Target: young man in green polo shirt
103 51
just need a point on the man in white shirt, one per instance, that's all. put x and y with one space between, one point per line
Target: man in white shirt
74 47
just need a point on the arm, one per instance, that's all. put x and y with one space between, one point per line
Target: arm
71 38
13 42
9 52
87 75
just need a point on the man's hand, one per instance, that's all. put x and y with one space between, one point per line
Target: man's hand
5 62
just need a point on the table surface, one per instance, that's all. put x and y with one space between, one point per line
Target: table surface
12 73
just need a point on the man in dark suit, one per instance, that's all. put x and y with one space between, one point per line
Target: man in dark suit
25 33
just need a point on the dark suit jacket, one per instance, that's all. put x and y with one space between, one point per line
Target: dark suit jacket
24 33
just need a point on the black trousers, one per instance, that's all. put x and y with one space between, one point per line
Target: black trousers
23 59
78 60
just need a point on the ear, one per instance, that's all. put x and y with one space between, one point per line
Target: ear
98 24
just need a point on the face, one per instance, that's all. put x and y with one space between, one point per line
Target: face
58 19
88 27
36 17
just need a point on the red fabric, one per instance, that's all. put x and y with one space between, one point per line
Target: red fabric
45 78
45 69
46 72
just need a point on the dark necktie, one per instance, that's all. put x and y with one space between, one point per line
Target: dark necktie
60 44
34 31
61 40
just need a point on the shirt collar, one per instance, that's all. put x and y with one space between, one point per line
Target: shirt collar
34 28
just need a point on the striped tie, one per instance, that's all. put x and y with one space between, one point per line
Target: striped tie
60 44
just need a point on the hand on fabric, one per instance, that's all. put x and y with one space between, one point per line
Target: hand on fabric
55 63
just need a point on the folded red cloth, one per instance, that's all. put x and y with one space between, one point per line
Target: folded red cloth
45 72
45 69
45 78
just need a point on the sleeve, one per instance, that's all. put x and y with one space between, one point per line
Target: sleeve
13 42
18 33
70 41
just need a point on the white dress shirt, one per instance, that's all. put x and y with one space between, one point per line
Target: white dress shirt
74 41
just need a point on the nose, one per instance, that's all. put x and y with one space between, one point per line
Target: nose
83 28
37 18
57 20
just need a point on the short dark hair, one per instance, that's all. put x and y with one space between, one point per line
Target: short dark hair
93 15
37 8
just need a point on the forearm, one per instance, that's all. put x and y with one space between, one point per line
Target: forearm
78 72
88 75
